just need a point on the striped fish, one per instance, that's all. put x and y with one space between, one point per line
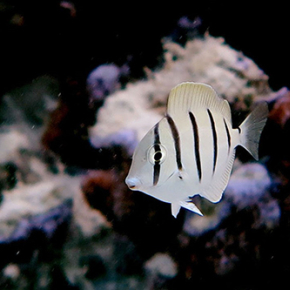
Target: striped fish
192 149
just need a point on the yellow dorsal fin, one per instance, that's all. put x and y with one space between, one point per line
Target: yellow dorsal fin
191 96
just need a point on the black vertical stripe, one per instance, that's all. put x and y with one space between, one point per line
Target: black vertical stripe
156 173
228 135
176 139
214 135
156 135
196 143
156 168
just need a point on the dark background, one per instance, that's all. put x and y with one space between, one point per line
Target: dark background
51 39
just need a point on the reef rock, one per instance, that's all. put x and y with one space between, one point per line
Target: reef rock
161 264
104 80
11 141
30 104
113 237
22 205
90 221
210 60
248 189
247 185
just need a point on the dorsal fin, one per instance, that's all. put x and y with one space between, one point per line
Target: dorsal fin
191 96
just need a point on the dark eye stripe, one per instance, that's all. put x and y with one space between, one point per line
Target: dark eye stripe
176 139
196 143
214 135
228 135
156 167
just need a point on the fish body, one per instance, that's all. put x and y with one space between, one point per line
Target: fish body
192 149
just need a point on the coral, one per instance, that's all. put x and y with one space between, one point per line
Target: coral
10 142
30 104
222 239
274 140
247 185
21 206
66 227
248 188
280 113
160 270
233 75
161 264
67 130
90 221
104 80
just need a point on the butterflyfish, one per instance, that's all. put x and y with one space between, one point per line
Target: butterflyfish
192 149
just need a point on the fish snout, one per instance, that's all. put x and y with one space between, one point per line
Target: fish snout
133 183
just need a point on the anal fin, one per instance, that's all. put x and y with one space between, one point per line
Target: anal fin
190 206
175 208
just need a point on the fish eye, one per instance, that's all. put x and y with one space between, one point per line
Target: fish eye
156 154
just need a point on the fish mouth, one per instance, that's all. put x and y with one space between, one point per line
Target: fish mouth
133 183
132 186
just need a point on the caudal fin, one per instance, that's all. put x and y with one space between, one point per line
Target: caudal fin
251 129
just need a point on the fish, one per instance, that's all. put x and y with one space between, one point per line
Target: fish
191 150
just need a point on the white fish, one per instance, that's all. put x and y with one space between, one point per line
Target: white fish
192 149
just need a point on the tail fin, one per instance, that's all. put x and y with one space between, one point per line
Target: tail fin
251 129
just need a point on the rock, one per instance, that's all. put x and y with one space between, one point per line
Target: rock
144 220
134 113
270 213
235 232
11 141
46 223
128 259
161 264
57 231
280 113
248 188
226 264
124 138
31 103
104 80
160 270
209 60
90 221
275 138
195 225
70 7
101 262
35 206
11 271
8 178
67 129
247 185
186 29
94 266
